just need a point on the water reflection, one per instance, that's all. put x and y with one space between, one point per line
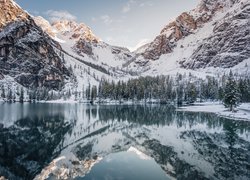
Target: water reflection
28 144
131 164
186 145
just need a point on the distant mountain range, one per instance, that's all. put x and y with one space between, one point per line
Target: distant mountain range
211 39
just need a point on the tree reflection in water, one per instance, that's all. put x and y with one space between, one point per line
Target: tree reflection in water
182 143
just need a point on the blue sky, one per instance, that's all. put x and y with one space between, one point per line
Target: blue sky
119 22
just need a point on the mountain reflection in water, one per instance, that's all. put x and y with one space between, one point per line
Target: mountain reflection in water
70 140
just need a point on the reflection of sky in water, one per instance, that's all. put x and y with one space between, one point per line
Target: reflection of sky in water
128 165
111 129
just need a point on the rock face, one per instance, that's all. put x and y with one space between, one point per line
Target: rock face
161 45
78 40
184 25
10 12
26 53
80 34
45 25
228 45
75 31
83 46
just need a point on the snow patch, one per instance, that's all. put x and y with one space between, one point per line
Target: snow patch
139 153
242 112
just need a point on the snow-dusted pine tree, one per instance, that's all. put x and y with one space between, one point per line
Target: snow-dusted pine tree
231 93
21 97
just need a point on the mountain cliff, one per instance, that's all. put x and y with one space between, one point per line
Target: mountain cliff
67 56
214 34
79 40
228 45
26 53
85 55
64 56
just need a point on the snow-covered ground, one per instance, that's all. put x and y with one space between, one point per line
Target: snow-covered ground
242 112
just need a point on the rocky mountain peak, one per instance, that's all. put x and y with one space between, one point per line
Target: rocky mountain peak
185 24
213 5
64 25
10 12
27 54
75 31
45 25
182 26
228 44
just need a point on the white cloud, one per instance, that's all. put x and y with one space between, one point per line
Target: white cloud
93 19
106 19
109 40
148 3
60 15
127 7
140 44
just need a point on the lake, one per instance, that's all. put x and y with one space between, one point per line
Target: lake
77 141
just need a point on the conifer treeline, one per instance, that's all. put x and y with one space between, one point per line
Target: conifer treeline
168 89
164 89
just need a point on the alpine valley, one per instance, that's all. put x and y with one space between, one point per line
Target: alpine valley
75 107
64 59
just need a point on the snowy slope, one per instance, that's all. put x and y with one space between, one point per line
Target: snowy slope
90 58
208 40
194 36
183 39
27 56
79 40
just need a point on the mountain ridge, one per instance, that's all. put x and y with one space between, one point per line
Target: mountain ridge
67 56
27 53
180 43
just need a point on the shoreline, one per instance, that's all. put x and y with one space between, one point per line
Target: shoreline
242 112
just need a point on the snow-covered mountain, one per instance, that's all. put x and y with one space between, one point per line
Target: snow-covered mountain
90 58
210 39
64 56
79 40
27 54
214 35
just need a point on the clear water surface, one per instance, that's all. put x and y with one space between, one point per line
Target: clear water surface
77 141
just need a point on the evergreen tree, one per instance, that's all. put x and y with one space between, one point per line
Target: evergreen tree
70 69
93 93
244 90
21 97
68 94
3 92
88 92
30 95
83 92
10 94
191 93
231 93
221 93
